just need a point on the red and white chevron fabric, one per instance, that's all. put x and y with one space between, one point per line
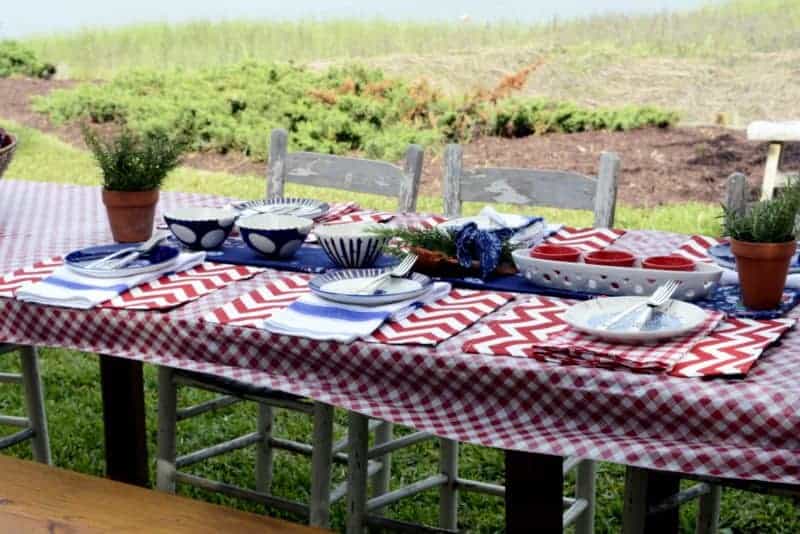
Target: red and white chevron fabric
10 283
732 348
254 307
166 292
428 325
350 212
537 330
179 288
696 248
427 222
442 319
585 239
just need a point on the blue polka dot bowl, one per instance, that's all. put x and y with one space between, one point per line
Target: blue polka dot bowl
275 236
200 228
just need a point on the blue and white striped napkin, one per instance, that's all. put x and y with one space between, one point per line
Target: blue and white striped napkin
69 289
316 318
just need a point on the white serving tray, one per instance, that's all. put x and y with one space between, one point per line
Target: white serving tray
615 281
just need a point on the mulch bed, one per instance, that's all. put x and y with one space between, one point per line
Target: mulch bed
658 165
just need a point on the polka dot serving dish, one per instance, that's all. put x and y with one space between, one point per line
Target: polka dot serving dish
582 277
200 228
275 236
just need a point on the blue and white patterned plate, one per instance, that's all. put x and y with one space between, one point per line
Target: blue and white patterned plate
299 207
341 286
161 257
723 257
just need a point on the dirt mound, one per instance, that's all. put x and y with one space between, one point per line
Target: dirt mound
658 166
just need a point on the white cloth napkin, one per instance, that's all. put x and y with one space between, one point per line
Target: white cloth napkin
69 289
316 318
529 235
730 277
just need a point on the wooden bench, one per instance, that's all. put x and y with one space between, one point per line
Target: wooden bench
776 134
39 498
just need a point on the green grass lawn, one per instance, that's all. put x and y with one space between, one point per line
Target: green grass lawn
720 29
74 406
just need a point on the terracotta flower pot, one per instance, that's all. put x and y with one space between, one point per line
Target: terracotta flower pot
131 214
762 271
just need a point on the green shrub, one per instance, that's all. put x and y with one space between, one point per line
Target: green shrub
338 111
17 59
134 162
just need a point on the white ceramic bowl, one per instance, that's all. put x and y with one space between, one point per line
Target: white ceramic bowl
200 228
351 246
275 236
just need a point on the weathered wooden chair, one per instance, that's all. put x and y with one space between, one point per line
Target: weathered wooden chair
639 511
34 425
777 134
515 186
336 172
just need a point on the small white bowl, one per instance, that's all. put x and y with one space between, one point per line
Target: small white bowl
200 228
352 245
275 235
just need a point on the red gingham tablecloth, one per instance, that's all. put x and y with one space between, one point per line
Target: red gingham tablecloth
746 429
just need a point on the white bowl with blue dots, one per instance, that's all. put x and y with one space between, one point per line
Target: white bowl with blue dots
275 236
200 228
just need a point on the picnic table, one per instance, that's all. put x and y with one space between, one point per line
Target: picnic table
538 412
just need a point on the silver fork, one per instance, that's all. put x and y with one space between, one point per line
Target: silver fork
400 270
659 297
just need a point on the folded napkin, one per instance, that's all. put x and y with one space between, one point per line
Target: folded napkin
72 290
317 318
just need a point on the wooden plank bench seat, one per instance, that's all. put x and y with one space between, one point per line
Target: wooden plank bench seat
39 498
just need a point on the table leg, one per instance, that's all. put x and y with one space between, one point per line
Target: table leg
644 489
534 493
124 420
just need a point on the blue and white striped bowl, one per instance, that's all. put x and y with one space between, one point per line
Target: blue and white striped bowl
352 245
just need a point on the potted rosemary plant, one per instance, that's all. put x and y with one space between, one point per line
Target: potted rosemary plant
763 241
134 167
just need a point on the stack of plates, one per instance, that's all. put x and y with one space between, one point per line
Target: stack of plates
342 286
299 207
161 257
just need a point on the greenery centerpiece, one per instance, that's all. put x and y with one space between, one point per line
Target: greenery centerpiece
133 167
438 252
763 241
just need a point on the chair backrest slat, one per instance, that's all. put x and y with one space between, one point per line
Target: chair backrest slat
736 193
559 189
339 172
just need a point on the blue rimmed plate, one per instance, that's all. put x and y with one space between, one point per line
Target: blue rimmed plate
342 286
723 257
299 207
161 257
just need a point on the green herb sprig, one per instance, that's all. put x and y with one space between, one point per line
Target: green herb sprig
768 221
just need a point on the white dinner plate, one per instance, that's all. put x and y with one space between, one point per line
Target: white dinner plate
674 319
341 286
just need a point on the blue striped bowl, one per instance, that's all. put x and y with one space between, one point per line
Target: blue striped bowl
351 246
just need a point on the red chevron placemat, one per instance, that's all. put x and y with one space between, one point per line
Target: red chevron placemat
732 348
179 288
166 292
440 320
11 282
429 325
256 306
585 239
537 330
696 248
